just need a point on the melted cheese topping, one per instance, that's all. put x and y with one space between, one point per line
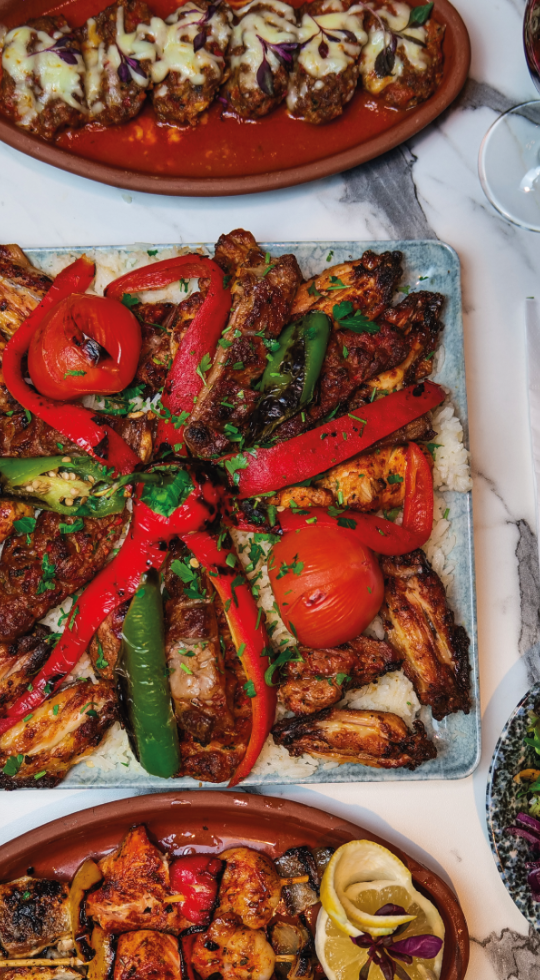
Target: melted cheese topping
275 24
100 61
42 76
342 52
173 43
397 18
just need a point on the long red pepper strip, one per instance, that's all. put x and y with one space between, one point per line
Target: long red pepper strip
74 422
376 533
144 547
186 376
317 450
249 637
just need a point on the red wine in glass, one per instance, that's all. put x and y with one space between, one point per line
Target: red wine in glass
531 39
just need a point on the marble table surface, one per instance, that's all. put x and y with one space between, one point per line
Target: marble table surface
427 188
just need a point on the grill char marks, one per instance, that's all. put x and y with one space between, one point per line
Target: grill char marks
34 913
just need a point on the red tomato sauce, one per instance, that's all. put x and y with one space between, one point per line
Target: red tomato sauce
221 145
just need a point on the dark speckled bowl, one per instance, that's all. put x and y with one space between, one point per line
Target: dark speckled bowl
510 756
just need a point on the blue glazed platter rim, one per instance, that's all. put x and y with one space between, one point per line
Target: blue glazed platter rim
458 736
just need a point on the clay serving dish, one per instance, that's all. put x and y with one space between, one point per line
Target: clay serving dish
256 171
210 822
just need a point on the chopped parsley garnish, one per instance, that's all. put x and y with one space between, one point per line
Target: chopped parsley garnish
78 525
348 522
241 649
203 366
25 525
342 678
56 709
13 765
166 498
405 289
238 366
130 301
190 578
432 446
330 255
28 717
394 478
419 16
353 320
230 560
235 464
345 351
39 775
74 374
446 513
151 251
226 281
101 663
249 688
47 582
295 567
313 291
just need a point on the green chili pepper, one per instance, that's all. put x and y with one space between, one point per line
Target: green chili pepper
288 383
142 678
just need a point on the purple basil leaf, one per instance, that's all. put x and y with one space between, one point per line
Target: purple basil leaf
526 834
349 36
61 42
426 947
400 956
533 879
136 67
391 910
67 56
363 941
384 62
364 972
265 80
529 822
323 49
223 101
123 73
332 37
401 973
284 52
385 966
199 41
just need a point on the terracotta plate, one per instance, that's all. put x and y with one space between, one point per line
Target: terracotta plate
312 152
212 821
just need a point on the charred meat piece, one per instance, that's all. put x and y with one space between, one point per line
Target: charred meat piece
190 63
20 437
298 862
11 511
22 287
40 570
20 661
232 952
42 79
322 677
57 735
147 955
250 887
402 65
418 431
263 291
421 627
328 65
372 738
263 39
155 355
105 645
135 889
34 913
117 62
368 283
192 647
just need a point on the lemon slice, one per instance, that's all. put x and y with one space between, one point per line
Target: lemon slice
342 960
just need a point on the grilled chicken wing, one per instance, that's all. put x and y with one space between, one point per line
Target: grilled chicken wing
34 913
421 627
11 511
22 287
135 889
373 738
20 661
147 955
233 952
263 292
57 735
250 887
20 437
320 679
105 645
38 571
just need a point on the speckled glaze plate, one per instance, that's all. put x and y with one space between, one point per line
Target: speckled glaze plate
502 806
457 737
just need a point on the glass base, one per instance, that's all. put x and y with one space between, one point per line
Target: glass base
509 165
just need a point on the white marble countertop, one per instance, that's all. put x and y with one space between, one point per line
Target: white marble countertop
428 188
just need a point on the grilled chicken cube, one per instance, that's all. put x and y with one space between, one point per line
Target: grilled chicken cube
233 952
42 748
263 290
190 65
421 627
372 738
328 65
40 570
263 38
401 64
20 661
250 887
147 955
11 511
321 678
117 62
371 481
22 287
34 914
135 889
42 79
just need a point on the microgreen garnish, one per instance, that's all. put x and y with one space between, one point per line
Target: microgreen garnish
203 366
349 319
78 525
46 582
249 688
283 52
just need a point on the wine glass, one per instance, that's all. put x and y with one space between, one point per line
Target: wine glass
509 163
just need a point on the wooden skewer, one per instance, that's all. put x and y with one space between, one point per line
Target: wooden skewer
42 961
286 958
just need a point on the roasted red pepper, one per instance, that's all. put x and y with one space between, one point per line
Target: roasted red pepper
317 450
249 637
186 377
144 547
196 878
376 533
74 422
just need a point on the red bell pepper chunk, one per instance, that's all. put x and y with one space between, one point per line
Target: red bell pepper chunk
319 449
186 376
144 547
376 533
195 877
76 423
249 636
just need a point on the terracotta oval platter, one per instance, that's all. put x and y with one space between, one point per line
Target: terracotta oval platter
210 822
228 156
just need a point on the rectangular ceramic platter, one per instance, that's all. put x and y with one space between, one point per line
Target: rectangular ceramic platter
457 737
